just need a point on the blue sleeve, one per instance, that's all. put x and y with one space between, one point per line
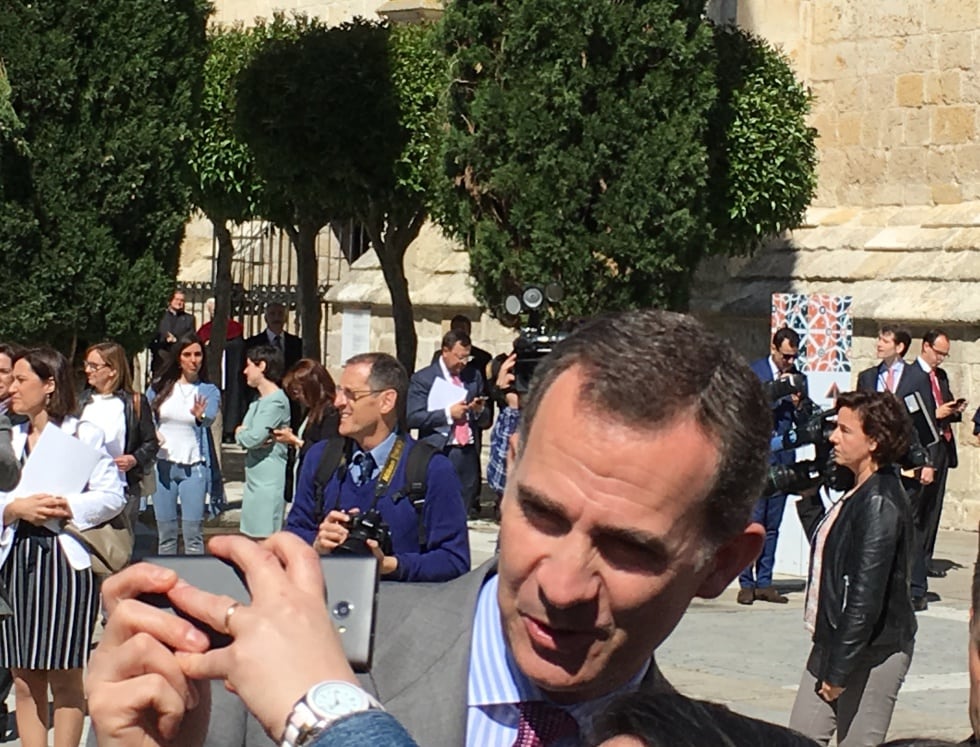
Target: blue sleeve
365 729
302 519
213 396
447 549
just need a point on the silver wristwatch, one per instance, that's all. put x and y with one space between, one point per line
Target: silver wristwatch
323 704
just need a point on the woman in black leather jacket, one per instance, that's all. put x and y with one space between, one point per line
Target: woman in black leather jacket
858 603
124 416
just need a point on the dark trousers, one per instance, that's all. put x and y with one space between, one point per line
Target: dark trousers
927 507
768 511
466 461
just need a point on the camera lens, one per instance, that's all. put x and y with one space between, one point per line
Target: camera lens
341 610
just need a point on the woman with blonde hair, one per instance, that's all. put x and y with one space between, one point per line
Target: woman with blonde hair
53 593
110 402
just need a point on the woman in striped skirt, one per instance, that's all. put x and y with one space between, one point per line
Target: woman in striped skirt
47 574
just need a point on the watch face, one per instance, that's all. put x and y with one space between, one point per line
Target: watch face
333 699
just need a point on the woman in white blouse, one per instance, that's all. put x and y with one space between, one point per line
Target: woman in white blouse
185 404
124 416
46 573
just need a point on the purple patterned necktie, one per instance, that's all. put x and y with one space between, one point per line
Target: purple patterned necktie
542 725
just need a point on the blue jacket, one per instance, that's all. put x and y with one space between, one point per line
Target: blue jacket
446 554
783 413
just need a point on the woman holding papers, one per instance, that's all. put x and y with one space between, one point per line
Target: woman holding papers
67 474
185 404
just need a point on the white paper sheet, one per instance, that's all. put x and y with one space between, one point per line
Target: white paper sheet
59 464
444 393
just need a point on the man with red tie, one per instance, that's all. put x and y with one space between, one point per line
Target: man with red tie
945 410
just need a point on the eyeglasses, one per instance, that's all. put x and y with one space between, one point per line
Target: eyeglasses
941 353
788 356
353 396
88 366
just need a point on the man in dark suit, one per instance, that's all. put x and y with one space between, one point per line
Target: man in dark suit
621 506
479 358
944 409
457 427
894 375
174 324
275 334
755 582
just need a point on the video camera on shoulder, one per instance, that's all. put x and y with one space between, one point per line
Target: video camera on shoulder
537 338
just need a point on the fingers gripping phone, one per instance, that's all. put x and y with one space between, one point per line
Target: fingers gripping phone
352 593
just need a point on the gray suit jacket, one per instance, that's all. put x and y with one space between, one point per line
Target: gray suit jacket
420 668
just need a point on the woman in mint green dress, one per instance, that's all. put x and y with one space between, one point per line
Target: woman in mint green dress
265 460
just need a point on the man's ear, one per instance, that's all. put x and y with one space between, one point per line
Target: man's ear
388 400
731 559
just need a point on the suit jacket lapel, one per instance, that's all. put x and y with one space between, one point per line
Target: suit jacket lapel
422 655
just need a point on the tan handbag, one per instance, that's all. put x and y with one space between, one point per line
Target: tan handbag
110 543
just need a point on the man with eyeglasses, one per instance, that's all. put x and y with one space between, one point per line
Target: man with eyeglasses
455 426
755 582
430 544
945 409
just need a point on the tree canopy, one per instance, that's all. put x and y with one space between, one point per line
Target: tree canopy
601 145
94 198
342 124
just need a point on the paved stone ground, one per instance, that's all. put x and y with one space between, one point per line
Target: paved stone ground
751 658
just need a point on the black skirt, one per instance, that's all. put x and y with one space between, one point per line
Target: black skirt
55 607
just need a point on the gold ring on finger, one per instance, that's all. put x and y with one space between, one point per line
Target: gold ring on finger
228 613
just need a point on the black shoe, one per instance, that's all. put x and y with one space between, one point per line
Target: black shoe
475 511
936 573
919 604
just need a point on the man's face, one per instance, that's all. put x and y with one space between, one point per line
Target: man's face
177 302
6 374
600 556
357 404
934 354
456 358
784 356
275 317
886 347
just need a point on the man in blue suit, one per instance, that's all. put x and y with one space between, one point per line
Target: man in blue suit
456 428
755 581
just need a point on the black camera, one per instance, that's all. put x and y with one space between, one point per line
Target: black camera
364 527
535 340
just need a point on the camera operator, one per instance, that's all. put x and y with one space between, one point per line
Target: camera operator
755 581
428 541
508 401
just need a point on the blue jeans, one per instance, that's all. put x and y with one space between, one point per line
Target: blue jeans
188 482
768 511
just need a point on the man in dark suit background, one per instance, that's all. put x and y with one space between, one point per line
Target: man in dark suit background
275 334
755 582
174 324
457 428
894 375
479 358
944 409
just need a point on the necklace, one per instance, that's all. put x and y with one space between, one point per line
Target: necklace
186 393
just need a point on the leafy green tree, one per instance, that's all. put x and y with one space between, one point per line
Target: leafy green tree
105 93
583 145
225 185
343 124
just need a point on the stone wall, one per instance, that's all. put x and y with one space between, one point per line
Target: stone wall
896 93
331 12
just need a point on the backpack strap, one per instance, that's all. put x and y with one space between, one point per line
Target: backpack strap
333 457
415 482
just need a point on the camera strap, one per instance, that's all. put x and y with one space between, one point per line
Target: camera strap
384 477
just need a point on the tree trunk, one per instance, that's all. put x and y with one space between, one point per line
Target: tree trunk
303 237
391 245
222 301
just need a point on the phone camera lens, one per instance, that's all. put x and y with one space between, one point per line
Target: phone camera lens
342 610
